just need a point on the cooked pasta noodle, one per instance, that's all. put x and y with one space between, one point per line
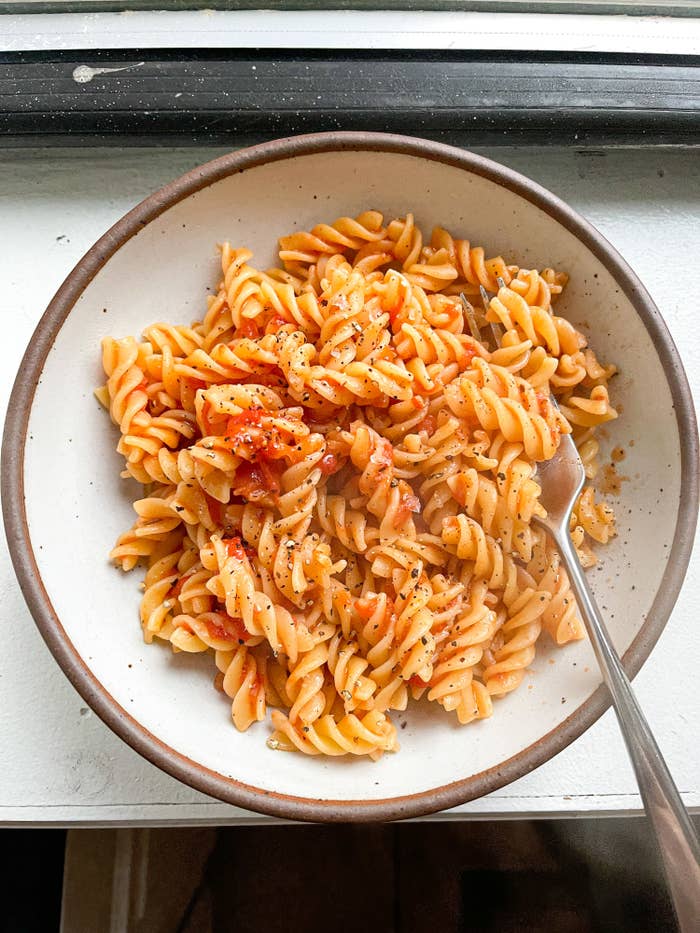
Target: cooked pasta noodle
341 478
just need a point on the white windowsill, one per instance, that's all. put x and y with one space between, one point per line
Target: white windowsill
350 30
62 766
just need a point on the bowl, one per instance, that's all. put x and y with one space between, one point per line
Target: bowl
64 504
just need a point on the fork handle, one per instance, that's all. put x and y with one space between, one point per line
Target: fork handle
669 818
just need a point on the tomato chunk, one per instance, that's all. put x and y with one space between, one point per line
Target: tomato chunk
258 480
275 323
227 628
418 682
251 435
214 509
329 464
248 328
234 547
408 504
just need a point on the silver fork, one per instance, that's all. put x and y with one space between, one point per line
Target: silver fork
562 479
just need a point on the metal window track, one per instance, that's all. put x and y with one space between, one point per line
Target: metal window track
687 8
165 97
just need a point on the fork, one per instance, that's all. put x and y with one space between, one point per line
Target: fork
562 479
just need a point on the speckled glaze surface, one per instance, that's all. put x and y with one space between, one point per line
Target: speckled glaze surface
157 263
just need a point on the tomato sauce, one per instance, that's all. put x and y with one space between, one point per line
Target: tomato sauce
383 453
543 403
418 682
176 588
428 424
408 504
395 312
257 480
275 324
366 606
248 328
329 464
214 507
234 547
244 419
248 430
230 629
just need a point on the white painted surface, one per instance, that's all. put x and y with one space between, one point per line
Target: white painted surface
72 533
349 29
61 764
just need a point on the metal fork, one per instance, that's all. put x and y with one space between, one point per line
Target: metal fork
562 479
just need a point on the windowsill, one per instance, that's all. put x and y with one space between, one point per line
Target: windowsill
351 30
65 767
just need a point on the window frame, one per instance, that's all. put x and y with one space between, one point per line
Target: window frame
238 96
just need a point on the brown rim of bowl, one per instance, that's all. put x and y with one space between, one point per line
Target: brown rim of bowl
148 745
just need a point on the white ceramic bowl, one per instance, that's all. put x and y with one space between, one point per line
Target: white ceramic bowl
65 505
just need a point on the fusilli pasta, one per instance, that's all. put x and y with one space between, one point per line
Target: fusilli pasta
341 479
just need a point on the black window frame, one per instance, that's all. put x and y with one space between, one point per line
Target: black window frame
229 96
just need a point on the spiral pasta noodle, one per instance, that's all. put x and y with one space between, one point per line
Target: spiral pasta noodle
340 479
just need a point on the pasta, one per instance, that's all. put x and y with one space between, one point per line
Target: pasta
340 479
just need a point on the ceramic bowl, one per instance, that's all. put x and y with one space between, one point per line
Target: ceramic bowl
65 504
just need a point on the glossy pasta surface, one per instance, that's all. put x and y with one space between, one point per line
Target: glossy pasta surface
339 469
